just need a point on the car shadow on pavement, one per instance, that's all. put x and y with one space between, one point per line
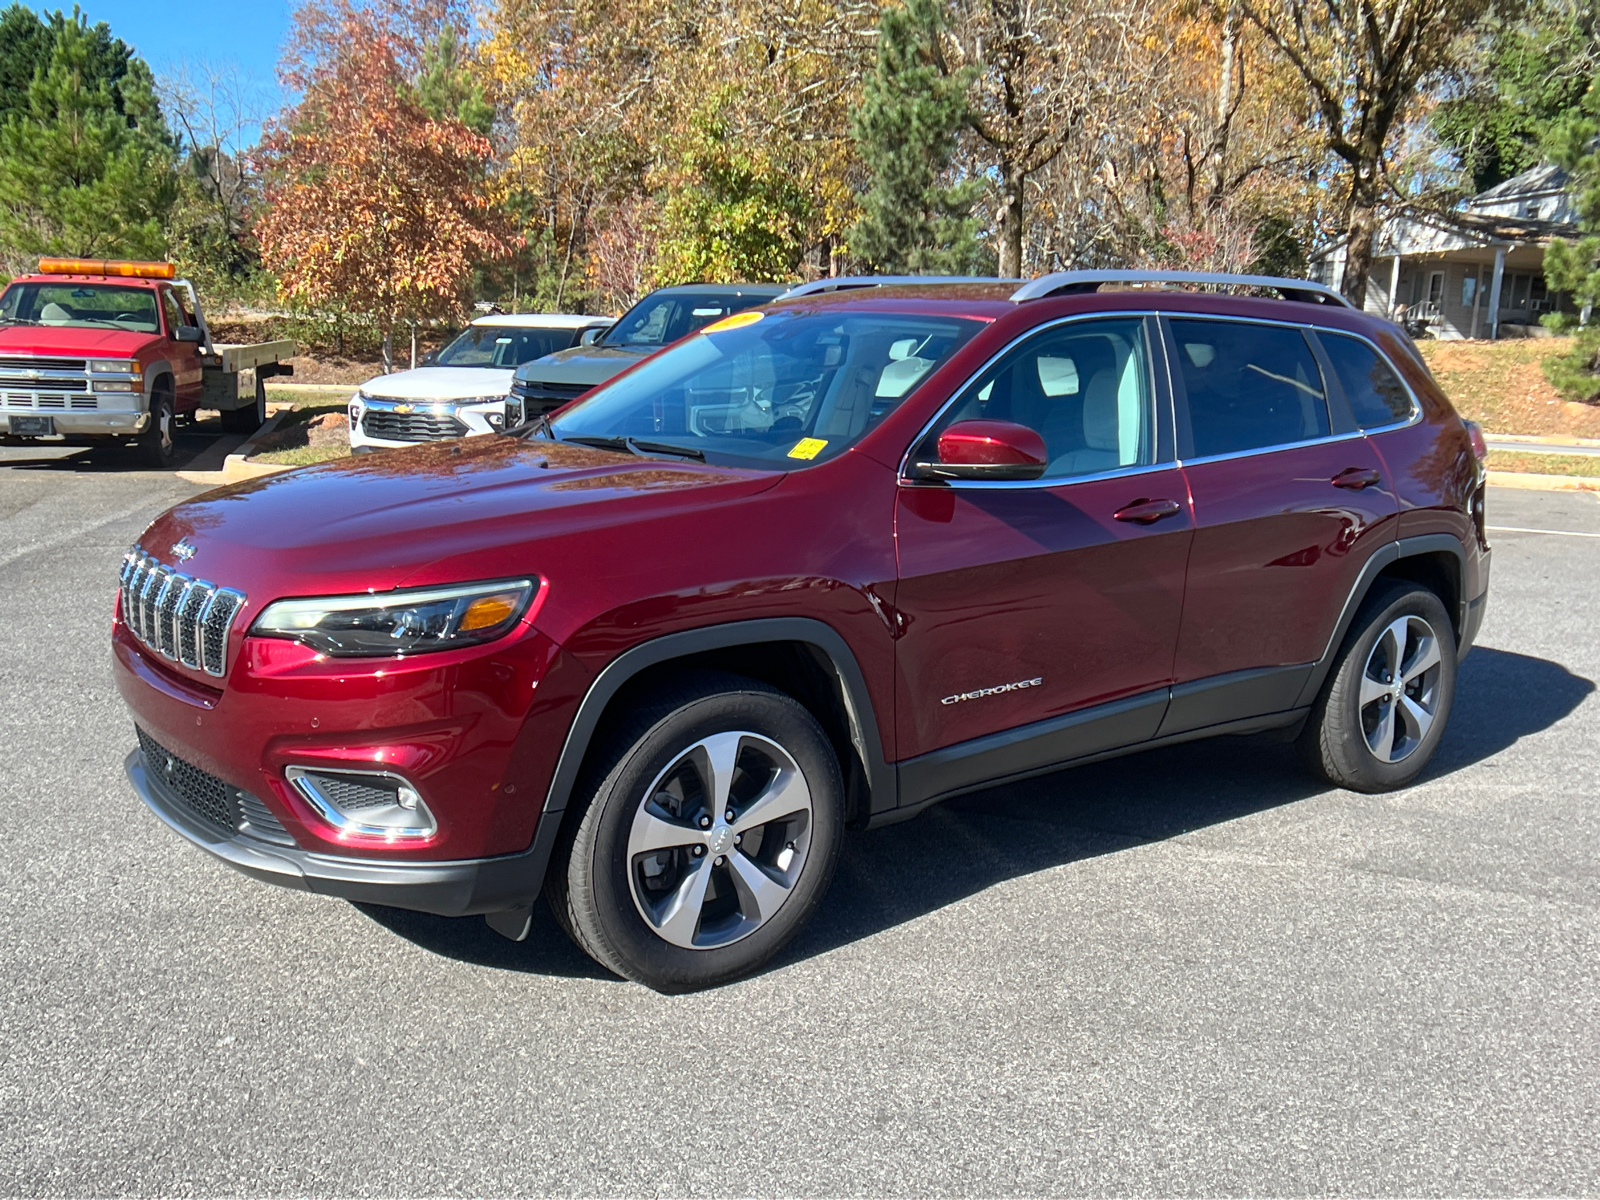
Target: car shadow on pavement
893 875
189 444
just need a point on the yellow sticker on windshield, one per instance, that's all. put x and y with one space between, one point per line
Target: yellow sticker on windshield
808 447
738 321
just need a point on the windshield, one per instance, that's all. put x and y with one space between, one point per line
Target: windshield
502 346
778 389
80 305
665 317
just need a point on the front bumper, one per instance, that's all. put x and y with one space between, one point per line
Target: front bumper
68 424
458 888
474 419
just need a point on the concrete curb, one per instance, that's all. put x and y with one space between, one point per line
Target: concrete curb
234 467
1544 483
1524 439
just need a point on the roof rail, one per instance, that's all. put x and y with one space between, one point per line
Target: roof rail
841 283
1070 283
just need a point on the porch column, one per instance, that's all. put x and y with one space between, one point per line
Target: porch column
1494 292
1394 284
1477 295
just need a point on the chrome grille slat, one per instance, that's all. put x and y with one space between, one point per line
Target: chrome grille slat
180 617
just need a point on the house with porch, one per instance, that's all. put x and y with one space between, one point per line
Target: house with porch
1474 273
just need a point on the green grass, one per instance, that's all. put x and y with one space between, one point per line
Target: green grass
1545 464
302 456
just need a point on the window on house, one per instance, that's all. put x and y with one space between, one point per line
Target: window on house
1469 289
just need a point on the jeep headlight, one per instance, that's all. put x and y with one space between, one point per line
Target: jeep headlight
384 624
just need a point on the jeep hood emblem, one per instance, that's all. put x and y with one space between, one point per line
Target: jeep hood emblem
183 550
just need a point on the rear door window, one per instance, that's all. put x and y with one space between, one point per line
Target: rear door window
1376 395
1249 386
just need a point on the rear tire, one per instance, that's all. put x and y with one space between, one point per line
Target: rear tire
710 839
251 417
157 447
1384 708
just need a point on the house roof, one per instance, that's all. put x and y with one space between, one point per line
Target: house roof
1536 181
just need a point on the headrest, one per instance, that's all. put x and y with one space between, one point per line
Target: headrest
1100 411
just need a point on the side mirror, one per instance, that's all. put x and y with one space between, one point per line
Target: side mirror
428 359
590 337
188 333
986 450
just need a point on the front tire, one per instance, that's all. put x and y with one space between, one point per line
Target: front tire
1384 708
157 445
710 840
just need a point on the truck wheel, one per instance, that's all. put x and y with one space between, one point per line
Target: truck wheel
252 416
156 445
1384 708
710 839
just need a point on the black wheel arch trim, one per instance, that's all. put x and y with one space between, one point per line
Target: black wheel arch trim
760 631
1385 556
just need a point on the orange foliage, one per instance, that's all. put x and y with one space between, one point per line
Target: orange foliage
370 204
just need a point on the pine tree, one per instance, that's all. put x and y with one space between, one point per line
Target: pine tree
87 169
906 127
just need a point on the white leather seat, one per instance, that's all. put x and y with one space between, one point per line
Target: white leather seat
1099 430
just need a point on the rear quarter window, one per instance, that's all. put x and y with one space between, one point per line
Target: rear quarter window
1376 395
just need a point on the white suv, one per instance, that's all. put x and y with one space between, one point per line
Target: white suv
462 389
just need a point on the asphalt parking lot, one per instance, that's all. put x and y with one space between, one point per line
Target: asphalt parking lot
1193 971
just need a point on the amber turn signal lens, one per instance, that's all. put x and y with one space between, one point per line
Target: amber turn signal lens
488 611
107 266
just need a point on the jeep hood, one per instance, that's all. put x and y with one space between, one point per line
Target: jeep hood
438 512
587 365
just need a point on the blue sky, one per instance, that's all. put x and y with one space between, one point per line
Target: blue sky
164 32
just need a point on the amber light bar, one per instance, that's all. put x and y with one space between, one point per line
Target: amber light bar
106 266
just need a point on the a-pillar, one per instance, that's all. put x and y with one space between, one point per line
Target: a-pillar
1494 292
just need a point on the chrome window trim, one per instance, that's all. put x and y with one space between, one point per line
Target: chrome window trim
1274 449
1059 480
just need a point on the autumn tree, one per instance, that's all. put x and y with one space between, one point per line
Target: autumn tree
1364 64
911 113
372 204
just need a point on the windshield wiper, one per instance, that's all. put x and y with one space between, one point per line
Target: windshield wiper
538 427
666 448
19 320
602 443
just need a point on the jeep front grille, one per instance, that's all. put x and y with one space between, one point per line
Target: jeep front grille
180 617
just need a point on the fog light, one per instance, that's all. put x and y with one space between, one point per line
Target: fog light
365 804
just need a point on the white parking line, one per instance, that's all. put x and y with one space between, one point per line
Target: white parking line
1519 529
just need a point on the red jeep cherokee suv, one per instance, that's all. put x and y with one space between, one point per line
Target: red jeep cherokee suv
817 566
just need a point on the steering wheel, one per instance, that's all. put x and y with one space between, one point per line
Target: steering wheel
127 316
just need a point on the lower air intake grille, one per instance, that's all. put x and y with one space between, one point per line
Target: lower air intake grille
219 804
351 796
410 427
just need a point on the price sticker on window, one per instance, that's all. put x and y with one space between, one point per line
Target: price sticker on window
808 447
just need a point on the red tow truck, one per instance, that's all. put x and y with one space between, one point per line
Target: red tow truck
96 350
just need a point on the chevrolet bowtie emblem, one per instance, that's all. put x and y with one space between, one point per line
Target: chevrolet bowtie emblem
182 550
402 409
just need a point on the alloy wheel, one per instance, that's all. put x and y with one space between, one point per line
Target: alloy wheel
1400 689
719 840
